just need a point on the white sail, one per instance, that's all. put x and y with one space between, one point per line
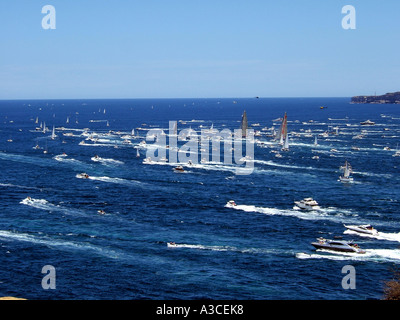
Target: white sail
286 143
282 130
53 134
315 141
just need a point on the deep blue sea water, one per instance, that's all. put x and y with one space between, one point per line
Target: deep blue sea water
259 250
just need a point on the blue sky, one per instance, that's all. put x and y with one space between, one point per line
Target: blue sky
191 48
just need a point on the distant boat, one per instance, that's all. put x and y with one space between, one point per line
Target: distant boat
244 124
137 153
316 140
347 177
367 123
286 143
53 134
282 133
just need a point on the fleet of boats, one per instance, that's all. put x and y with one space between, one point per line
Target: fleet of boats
281 137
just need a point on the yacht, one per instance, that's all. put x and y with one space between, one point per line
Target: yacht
366 229
307 204
337 245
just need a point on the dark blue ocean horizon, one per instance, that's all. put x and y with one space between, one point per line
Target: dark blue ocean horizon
260 250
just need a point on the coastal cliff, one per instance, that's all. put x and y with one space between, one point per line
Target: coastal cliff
388 98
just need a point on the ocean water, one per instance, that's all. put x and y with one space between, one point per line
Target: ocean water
260 249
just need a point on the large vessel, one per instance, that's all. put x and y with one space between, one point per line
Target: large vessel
307 204
337 245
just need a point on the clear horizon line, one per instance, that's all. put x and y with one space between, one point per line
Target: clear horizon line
176 98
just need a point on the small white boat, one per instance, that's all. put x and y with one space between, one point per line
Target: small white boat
82 175
96 158
171 245
231 204
147 160
366 229
307 204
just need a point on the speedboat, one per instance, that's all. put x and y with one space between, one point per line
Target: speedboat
337 245
96 158
171 245
307 204
231 203
366 229
82 175
101 212
179 169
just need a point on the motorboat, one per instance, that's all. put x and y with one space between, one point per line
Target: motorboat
148 160
307 204
179 169
171 245
231 203
367 123
82 175
96 158
366 229
102 212
337 245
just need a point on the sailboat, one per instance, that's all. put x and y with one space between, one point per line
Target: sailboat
286 143
347 177
244 125
137 153
315 141
282 133
53 134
